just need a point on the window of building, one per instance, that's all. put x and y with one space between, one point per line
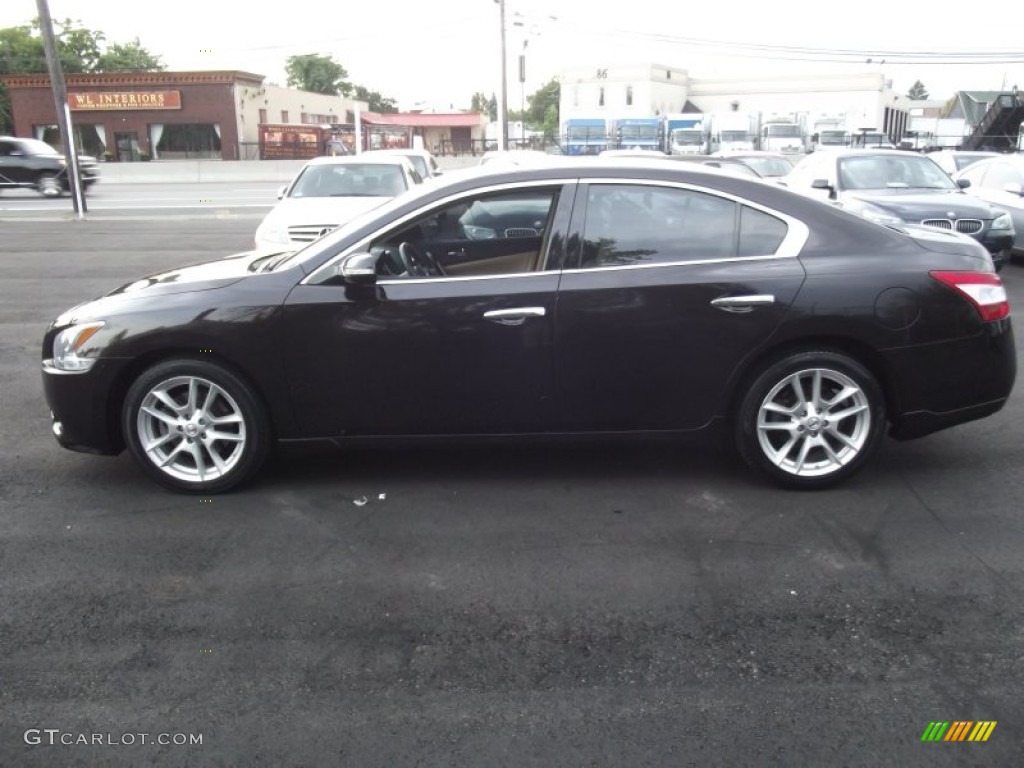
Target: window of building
629 95
186 140
263 116
600 96
284 115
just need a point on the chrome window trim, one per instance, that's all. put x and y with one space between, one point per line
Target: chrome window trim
797 232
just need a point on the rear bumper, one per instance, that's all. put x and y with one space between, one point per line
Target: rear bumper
937 386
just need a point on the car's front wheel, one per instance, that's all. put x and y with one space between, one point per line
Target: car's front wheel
49 185
811 419
195 426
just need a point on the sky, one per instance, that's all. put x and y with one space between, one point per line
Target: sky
440 52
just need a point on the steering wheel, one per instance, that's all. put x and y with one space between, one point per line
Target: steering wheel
418 263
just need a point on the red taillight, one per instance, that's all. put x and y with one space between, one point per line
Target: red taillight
983 289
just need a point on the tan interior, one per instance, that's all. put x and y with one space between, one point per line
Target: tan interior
514 263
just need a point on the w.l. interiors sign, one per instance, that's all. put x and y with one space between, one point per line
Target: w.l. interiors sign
98 100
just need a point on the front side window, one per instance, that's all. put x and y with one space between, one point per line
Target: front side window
497 233
630 224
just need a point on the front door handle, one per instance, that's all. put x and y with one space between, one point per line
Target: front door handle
515 316
742 303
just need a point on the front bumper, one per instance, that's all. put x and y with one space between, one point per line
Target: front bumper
80 408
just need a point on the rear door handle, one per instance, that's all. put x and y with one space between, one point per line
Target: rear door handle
515 316
742 303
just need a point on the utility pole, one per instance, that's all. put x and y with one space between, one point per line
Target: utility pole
503 104
60 102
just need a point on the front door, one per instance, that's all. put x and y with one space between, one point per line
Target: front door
423 353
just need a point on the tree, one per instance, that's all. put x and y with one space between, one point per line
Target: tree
319 74
478 103
542 113
6 119
128 57
78 47
492 108
917 91
21 52
374 100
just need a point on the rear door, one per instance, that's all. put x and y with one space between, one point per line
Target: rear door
667 288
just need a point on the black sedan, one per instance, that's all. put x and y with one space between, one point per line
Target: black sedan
899 188
608 297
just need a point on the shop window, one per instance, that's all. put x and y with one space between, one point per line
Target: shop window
187 140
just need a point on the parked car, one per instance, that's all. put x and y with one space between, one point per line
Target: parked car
424 162
35 164
954 160
897 188
767 165
576 297
1000 181
514 157
329 191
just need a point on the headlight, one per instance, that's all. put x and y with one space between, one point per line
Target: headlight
271 232
69 343
877 215
1002 222
478 233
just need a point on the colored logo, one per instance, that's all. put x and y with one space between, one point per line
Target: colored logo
959 730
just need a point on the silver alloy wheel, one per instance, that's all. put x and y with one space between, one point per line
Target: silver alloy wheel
49 186
191 429
813 422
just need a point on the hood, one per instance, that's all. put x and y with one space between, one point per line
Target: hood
917 204
198 277
325 211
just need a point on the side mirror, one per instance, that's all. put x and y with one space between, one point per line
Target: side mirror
281 190
823 184
1014 188
360 269
963 183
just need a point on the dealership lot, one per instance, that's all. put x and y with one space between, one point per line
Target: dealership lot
554 605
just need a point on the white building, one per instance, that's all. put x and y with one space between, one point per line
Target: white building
648 90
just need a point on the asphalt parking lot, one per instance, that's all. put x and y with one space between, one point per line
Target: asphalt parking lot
612 605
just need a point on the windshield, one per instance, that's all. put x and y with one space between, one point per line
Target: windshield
892 172
349 180
832 137
585 132
634 132
784 131
684 136
769 166
735 136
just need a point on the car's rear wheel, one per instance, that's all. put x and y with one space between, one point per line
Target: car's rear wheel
811 419
49 185
195 426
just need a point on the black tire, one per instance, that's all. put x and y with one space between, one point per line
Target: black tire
796 445
216 437
48 185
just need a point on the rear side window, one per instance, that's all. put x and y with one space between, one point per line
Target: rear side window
761 234
628 224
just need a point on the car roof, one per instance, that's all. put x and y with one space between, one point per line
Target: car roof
1007 157
361 159
405 151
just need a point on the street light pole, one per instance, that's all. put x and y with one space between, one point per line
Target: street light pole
503 104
